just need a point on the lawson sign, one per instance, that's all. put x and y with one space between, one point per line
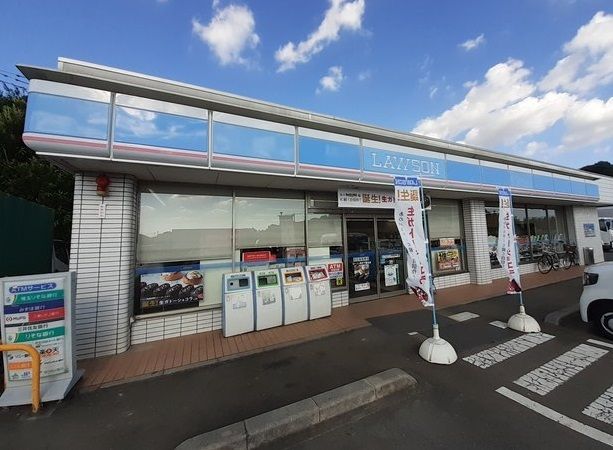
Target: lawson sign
396 163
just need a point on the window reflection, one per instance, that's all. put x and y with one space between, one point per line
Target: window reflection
139 126
270 232
176 227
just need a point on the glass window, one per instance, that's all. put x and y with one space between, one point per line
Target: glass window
522 234
139 126
446 237
53 114
491 219
238 140
535 228
184 246
325 245
270 232
539 231
557 226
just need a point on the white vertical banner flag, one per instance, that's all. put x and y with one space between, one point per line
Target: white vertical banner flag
410 223
506 251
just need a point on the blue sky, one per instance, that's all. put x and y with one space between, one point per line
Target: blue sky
528 77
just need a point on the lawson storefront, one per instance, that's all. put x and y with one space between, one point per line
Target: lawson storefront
198 183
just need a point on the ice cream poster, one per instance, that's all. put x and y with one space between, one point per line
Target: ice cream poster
170 286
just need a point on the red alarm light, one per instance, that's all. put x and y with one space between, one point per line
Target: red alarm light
102 185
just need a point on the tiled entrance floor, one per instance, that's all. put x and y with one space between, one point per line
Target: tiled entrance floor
161 357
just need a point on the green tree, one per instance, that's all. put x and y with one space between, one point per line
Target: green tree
601 167
22 173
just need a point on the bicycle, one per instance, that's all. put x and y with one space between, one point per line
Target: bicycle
570 252
552 260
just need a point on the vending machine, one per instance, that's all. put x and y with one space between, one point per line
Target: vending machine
320 294
238 316
295 299
268 302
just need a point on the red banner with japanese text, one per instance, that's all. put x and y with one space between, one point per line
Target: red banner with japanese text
506 250
410 223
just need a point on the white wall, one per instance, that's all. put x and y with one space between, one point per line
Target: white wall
102 254
605 187
579 216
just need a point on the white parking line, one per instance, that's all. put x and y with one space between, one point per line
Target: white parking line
549 376
604 344
463 316
499 324
494 355
602 407
566 421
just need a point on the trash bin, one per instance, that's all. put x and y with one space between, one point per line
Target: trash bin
588 256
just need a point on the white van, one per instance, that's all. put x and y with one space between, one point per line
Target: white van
606 232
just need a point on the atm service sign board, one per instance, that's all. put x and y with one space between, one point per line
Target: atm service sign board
37 311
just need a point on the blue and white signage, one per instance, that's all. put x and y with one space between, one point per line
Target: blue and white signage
396 163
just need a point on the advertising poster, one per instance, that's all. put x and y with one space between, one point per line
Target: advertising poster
391 275
409 220
34 315
354 198
362 270
170 286
589 229
506 251
336 272
447 260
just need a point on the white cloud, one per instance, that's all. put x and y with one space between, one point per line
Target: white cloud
341 15
364 75
333 81
504 84
472 44
433 91
589 58
588 123
229 33
499 111
535 149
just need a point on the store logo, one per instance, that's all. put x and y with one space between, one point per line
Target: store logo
405 164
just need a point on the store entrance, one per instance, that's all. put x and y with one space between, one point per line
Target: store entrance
375 258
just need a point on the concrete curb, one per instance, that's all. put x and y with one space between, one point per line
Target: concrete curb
554 318
281 422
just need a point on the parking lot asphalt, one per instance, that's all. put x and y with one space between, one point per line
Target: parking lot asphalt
452 406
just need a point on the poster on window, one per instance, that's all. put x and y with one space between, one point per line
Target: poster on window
409 220
391 275
361 268
336 272
447 260
506 251
169 286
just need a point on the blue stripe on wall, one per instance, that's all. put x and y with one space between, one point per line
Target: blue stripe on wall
329 153
561 185
458 171
495 176
245 141
578 187
521 179
542 183
592 190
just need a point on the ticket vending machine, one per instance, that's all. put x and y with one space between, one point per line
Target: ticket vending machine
320 294
238 316
295 299
268 301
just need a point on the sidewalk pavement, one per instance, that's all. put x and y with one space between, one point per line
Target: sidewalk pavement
143 361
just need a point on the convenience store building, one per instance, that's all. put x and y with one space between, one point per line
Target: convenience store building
201 183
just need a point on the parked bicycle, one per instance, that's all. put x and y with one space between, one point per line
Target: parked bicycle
571 254
551 259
